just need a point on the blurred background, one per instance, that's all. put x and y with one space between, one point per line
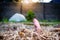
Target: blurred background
43 11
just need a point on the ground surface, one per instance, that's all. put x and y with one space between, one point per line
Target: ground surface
9 31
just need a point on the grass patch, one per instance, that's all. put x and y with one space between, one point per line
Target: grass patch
42 22
5 20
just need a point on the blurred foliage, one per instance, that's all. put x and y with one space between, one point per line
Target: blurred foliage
30 15
4 20
49 20
43 20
